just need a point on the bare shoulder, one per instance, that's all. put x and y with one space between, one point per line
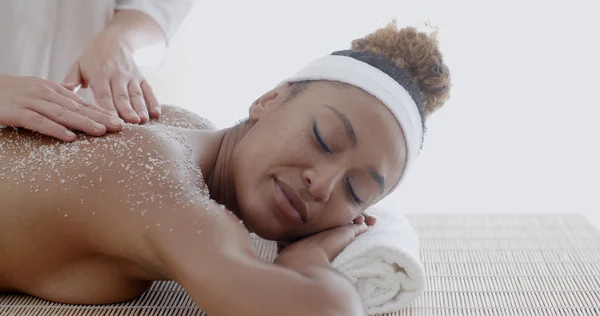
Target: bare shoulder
147 172
175 116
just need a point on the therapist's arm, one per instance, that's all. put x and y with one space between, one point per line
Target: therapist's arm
108 67
167 14
135 29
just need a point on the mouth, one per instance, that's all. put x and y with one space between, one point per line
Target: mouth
289 201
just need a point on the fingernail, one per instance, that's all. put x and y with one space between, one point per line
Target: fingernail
143 115
116 121
99 127
133 115
158 110
70 134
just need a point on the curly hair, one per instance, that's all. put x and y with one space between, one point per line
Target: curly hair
416 53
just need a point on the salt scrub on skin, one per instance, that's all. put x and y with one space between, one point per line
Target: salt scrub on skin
84 163
172 117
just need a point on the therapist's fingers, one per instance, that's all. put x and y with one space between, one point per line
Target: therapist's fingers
69 116
137 101
91 112
34 121
103 95
77 98
151 101
122 101
73 80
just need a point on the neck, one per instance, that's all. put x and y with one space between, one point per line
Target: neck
220 180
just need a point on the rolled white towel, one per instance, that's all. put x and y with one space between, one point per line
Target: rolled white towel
384 263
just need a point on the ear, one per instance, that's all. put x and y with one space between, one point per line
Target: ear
266 103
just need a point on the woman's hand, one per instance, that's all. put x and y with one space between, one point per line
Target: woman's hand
48 108
320 248
366 218
107 67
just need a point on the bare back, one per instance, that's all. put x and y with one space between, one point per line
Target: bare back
64 207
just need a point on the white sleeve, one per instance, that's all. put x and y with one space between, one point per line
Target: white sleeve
169 14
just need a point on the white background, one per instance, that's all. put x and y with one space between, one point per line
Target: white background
520 133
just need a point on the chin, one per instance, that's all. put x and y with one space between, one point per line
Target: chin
274 232
265 233
261 217
264 229
258 220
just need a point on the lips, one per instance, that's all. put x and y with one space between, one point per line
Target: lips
289 201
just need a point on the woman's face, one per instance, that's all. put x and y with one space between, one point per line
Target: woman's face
315 161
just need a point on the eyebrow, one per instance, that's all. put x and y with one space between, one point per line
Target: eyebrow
377 177
347 125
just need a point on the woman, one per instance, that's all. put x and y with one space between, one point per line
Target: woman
97 220
84 43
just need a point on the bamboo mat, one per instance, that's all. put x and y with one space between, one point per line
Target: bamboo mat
475 265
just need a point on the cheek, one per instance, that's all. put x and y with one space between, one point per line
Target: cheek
288 147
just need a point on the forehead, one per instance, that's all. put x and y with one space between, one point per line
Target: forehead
380 141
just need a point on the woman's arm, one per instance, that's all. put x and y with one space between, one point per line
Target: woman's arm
211 256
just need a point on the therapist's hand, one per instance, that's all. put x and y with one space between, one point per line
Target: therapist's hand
49 108
108 68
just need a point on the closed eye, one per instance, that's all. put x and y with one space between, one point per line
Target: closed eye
319 139
352 193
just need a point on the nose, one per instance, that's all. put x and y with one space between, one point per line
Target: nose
321 183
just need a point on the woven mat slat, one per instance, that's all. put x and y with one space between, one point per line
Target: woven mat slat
475 264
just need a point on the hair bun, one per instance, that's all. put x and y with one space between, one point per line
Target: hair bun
417 53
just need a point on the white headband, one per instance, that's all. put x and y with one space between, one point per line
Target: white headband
378 84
